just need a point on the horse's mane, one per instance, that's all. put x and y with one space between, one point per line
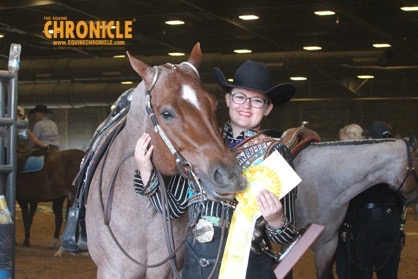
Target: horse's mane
351 142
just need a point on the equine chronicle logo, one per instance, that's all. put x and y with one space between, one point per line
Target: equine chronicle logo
67 33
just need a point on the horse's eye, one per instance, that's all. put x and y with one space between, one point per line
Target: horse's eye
167 115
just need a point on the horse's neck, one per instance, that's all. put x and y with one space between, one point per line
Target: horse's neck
351 169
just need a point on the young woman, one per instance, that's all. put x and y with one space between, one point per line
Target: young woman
250 98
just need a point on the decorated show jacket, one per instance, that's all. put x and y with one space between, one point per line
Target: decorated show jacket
250 148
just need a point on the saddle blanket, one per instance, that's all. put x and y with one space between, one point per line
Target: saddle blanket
33 163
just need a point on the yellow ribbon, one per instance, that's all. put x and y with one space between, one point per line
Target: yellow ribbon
238 245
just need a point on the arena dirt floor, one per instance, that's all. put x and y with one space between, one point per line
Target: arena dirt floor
38 262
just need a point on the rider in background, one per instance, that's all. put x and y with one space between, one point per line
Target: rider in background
373 226
22 145
249 98
45 129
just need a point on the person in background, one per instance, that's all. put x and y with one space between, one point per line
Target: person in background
250 98
373 226
22 145
349 132
45 129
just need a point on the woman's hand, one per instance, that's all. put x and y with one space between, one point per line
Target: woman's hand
143 152
271 208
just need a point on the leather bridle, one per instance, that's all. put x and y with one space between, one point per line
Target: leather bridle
184 167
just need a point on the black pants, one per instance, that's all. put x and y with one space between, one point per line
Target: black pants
200 260
375 245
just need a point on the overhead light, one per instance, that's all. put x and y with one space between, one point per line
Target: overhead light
119 56
324 13
409 8
176 53
365 76
230 79
381 45
126 82
174 22
240 51
1 36
298 78
312 47
248 17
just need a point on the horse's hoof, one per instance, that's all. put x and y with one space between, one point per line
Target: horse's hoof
59 252
26 243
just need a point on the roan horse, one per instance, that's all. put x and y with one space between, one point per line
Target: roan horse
180 107
52 183
335 172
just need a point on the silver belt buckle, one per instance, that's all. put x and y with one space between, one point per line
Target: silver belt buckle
204 231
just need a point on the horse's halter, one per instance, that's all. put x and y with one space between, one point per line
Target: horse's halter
184 167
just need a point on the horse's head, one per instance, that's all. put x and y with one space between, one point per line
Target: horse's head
186 113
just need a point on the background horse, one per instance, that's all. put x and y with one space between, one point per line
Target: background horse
186 112
52 183
335 172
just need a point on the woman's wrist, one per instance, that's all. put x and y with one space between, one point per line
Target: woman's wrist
280 229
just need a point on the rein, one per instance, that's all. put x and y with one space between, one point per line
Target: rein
410 170
184 168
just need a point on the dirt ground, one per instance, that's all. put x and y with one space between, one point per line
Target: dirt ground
38 262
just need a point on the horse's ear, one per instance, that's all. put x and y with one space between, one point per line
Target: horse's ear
142 69
196 56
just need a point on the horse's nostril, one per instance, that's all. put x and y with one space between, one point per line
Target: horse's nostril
220 177
229 178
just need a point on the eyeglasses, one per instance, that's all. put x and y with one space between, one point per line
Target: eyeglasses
240 98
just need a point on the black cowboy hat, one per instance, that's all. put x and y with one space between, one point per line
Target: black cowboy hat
378 130
256 76
40 108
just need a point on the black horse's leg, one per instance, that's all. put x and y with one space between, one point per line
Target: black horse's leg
27 216
57 206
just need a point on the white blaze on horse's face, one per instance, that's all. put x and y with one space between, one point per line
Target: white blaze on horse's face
189 95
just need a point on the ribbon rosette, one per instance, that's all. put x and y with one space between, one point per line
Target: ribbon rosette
274 174
258 178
